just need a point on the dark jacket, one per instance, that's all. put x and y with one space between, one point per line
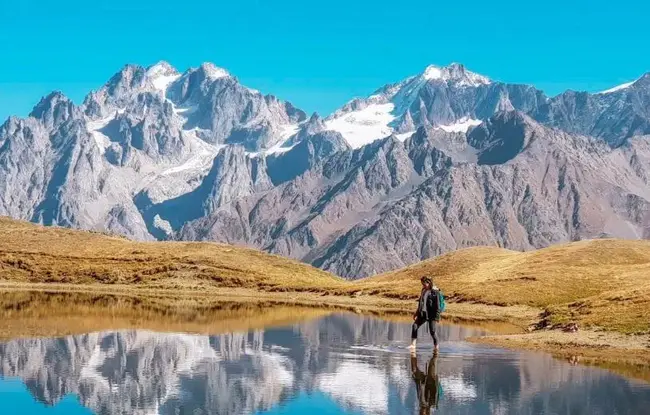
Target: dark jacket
429 305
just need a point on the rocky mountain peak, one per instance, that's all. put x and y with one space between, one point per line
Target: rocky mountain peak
511 117
161 75
502 137
314 124
162 68
130 77
315 118
212 71
455 72
54 109
420 137
195 84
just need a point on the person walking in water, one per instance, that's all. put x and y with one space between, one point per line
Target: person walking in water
427 386
428 312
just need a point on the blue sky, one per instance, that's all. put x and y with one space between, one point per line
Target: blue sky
319 54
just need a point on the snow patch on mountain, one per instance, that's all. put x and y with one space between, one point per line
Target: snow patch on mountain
94 128
461 126
161 83
201 158
363 126
285 134
163 225
454 73
176 180
214 72
432 72
185 110
618 88
404 136
161 75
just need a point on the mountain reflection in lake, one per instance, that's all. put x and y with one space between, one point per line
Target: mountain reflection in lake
341 364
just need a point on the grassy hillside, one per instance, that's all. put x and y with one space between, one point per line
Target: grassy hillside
32 253
599 283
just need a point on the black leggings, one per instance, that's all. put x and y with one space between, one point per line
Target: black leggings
432 329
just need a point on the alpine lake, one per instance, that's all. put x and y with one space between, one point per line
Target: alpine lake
70 354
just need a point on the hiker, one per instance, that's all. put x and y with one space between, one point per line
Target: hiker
429 309
427 386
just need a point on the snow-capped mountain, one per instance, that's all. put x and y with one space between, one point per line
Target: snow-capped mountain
400 108
149 131
454 99
444 159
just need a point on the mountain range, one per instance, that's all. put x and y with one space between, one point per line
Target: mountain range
442 160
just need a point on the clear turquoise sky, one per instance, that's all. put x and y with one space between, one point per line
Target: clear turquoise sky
319 54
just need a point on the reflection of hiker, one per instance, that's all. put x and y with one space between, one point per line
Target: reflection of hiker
427 386
430 305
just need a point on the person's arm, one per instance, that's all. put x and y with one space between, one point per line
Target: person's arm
417 310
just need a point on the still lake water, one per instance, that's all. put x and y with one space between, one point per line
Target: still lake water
341 364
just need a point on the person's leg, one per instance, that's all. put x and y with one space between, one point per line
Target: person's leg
434 335
414 331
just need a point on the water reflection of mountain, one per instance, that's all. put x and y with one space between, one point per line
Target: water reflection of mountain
350 358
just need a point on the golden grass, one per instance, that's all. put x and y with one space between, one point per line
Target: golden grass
34 254
600 284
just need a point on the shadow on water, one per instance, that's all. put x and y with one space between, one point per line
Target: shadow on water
328 363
